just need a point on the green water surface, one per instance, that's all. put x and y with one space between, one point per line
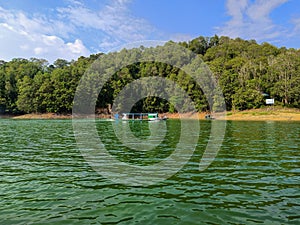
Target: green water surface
255 178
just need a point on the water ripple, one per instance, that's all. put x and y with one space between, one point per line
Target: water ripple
254 179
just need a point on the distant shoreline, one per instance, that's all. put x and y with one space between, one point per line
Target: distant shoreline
265 114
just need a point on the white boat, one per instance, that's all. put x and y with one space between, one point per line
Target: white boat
141 116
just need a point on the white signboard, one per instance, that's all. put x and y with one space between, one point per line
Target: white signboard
270 101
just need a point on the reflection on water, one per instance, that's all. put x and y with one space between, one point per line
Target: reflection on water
254 178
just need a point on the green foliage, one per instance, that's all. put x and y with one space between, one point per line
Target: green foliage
245 71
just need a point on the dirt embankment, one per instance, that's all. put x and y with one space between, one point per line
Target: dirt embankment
43 116
265 114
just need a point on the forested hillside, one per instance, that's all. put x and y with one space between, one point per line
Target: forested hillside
246 71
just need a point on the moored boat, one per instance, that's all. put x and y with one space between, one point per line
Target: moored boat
141 116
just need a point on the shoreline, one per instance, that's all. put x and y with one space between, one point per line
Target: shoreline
265 114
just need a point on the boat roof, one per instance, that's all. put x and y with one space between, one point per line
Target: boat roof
138 114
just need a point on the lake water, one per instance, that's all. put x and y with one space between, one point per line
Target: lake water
254 179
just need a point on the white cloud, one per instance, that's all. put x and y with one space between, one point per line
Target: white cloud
252 20
19 21
50 40
14 44
45 36
236 9
115 21
77 47
261 9
38 51
26 37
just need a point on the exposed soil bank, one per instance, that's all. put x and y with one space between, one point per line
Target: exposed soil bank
265 114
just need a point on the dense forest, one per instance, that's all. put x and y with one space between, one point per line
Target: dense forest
246 71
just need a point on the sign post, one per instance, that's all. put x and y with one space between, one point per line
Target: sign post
270 101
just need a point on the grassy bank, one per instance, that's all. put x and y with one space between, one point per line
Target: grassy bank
265 114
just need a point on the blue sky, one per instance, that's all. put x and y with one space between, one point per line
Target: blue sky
70 28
